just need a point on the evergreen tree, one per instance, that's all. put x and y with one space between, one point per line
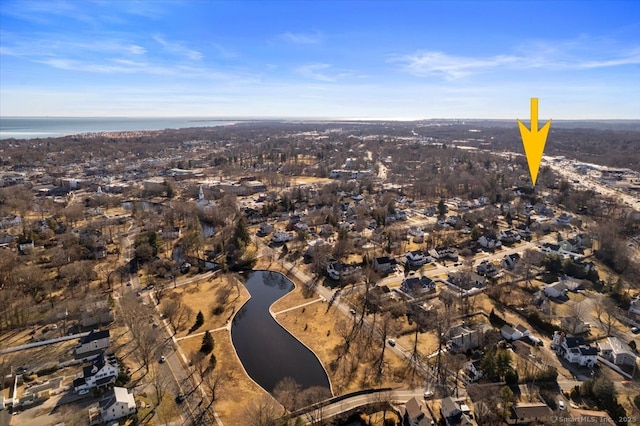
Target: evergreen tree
207 343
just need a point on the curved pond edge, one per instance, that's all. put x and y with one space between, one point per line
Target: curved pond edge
280 325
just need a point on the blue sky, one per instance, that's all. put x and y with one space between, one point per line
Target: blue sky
361 59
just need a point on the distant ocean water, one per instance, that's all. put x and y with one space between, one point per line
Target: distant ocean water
43 127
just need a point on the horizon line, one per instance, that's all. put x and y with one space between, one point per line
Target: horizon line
284 118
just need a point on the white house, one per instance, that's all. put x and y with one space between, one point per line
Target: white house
472 370
489 241
117 404
94 341
574 349
416 258
337 271
510 260
616 351
102 372
510 333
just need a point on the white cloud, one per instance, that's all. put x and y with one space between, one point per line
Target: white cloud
323 72
302 38
178 48
435 63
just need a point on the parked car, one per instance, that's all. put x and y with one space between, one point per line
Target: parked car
391 342
162 359
561 405
428 395
179 397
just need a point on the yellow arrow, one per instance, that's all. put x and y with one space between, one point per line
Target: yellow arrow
534 140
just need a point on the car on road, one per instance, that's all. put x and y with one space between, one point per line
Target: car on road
179 397
162 359
635 330
353 311
561 405
428 394
391 342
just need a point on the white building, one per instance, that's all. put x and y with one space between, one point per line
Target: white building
94 341
616 351
117 404
102 372
574 350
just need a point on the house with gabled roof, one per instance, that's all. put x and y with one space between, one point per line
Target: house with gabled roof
102 372
616 351
384 264
574 349
415 413
94 341
454 414
117 404
529 412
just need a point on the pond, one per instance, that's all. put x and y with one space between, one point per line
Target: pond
267 351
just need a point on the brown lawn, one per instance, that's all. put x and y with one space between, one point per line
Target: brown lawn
320 331
203 296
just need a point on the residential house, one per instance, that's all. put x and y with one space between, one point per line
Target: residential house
416 258
510 333
282 237
415 413
509 236
454 413
615 350
417 286
463 338
487 269
564 219
443 253
337 271
634 307
523 231
510 260
102 372
265 229
384 264
557 289
489 241
529 412
94 341
117 404
574 349
472 371
574 325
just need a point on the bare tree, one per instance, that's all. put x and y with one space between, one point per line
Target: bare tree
159 381
263 411
177 312
287 392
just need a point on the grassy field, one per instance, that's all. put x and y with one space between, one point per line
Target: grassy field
205 296
320 330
